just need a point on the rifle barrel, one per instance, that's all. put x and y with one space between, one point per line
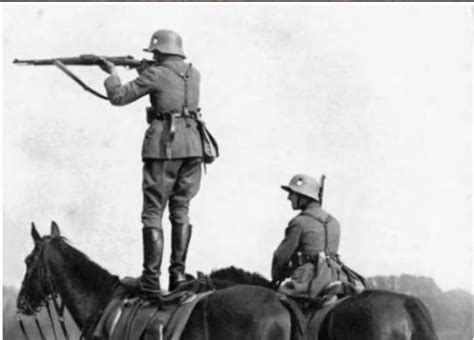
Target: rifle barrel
33 62
82 60
321 189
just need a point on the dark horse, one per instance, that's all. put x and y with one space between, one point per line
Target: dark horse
246 309
237 312
371 315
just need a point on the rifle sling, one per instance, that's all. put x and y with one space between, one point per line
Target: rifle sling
63 68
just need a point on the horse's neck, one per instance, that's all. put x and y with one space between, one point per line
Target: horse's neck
84 287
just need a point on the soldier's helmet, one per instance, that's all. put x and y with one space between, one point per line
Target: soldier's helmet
166 42
304 185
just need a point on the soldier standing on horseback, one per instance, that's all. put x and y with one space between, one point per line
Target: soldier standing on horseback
172 152
308 253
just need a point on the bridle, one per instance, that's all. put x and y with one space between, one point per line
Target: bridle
59 311
49 294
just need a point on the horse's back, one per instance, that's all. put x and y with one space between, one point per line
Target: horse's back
240 312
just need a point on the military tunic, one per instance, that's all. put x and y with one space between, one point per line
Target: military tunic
176 180
305 235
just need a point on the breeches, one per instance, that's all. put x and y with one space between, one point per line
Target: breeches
174 182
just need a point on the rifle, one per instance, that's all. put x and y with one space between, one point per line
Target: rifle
86 60
321 189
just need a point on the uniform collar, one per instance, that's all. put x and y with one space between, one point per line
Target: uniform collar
312 207
173 61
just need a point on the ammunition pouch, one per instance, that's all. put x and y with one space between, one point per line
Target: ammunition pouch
210 148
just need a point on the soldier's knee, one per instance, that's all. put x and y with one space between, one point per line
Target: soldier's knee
179 219
152 222
179 216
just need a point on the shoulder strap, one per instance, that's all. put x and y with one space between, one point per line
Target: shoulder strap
185 76
325 223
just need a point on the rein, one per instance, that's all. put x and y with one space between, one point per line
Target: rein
39 329
51 319
60 313
22 326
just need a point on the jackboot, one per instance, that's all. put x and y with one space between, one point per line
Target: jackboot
180 237
152 258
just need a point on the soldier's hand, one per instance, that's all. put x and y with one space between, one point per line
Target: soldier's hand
143 66
107 66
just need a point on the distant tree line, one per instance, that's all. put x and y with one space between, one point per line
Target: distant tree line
451 310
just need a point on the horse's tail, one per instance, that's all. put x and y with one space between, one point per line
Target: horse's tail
298 320
421 317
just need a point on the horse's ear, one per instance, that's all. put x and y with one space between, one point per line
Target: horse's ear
34 233
55 229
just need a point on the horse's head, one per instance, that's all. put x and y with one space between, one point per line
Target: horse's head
37 286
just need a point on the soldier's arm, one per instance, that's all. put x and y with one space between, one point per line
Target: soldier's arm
124 94
282 255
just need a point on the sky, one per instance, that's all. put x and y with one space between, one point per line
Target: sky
377 97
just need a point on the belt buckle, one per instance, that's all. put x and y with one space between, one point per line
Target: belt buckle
185 111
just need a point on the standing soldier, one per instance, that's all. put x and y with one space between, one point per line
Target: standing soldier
171 152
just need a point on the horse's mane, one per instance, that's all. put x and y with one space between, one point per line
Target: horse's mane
239 276
80 264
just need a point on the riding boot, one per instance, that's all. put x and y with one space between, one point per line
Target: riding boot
180 237
152 258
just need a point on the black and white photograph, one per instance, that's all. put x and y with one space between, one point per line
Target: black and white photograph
220 171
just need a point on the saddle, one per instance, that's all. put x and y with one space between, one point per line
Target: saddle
317 317
329 295
131 317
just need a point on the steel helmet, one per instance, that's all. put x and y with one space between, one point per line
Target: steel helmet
166 42
303 185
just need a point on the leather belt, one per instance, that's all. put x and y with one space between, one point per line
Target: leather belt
299 258
152 114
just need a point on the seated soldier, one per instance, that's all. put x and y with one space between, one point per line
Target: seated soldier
308 253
